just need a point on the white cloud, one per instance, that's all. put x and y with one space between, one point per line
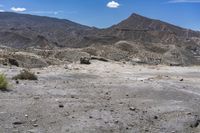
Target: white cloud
184 1
2 10
113 4
18 9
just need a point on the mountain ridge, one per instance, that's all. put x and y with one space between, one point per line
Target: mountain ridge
135 38
66 33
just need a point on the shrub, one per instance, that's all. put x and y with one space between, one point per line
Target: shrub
25 75
3 83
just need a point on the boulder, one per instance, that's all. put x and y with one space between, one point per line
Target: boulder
85 60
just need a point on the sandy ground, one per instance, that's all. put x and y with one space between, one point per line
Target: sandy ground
104 97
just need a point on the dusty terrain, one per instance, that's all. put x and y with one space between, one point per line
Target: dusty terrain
103 97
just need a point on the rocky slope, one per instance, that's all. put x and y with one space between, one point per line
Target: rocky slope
22 31
137 39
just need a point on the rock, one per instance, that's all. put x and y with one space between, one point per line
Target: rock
34 120
181 79
132 108
156 117
116 122
13 62
85 60
18 123
32 131
99 58
35 125
36 97
61 106
188 113
17 81
66 66
195 123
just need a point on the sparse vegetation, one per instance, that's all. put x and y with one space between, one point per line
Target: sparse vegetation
3 82
25 75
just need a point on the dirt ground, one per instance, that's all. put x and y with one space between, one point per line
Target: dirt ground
104 97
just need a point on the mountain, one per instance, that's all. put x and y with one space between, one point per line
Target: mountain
22 31
137 39
139 28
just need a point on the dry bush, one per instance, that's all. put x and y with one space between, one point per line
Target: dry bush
3 83
25 75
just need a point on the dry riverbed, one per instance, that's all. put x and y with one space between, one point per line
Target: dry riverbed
104 97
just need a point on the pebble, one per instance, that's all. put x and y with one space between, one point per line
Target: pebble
188 113
35 125
36 97
132 108
61 106
31 131
34 120
116 122
155 117
17 82
18 123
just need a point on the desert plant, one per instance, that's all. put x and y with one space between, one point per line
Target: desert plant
25 75
3 82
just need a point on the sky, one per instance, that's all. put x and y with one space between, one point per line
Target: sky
104 13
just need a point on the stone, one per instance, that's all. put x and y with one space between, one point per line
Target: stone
35 125
61 106
13 62
156 117
132 108
195 123
85 60
17 81
18 123
36 97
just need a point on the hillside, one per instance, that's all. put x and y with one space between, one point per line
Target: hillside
22 31
137 39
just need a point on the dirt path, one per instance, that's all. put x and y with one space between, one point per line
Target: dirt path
103 98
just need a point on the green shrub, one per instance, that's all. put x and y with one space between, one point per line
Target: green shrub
25 75
3 83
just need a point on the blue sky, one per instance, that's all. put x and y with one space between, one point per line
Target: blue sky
104 13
